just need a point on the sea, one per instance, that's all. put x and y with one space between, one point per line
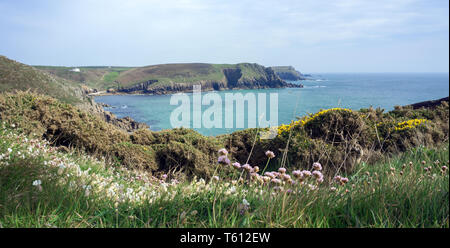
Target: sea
321 91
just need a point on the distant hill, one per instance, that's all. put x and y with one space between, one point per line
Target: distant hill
288 73
17 76
167 78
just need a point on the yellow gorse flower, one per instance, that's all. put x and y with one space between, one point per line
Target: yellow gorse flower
410 124
286 128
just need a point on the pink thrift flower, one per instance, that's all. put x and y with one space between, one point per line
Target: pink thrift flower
236 165
317 166
270 154
223 151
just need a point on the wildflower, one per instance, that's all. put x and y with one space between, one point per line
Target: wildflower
244 206
306 173
269 174
297 174
444 168
333 188
289 191
286 177
282 170
247 167
424 162
164 177
338 178
38 183
236 165
223 160
276 181
317 174
215 178
270 154
9 150
223 152
317 166
344 180
256 169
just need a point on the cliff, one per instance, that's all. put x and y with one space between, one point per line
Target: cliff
288 73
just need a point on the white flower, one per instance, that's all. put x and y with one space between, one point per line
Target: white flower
37 182
9 150
245 202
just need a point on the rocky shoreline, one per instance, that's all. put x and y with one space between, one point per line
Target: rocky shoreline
179 88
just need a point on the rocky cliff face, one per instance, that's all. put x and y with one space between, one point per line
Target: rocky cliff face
126 123
288 73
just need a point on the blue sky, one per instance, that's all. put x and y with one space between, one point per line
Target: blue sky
313 36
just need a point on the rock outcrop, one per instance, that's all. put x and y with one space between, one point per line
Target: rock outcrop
288 73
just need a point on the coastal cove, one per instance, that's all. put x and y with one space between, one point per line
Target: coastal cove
328 90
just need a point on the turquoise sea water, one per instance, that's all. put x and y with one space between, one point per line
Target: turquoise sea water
347 90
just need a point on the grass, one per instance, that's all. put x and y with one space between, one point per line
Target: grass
16 76
96 77
77 190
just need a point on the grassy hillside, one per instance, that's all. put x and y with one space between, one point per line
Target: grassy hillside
96 77
18 76
187 73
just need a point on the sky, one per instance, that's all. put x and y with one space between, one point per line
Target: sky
313 36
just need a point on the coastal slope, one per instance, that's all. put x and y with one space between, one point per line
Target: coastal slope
17 76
